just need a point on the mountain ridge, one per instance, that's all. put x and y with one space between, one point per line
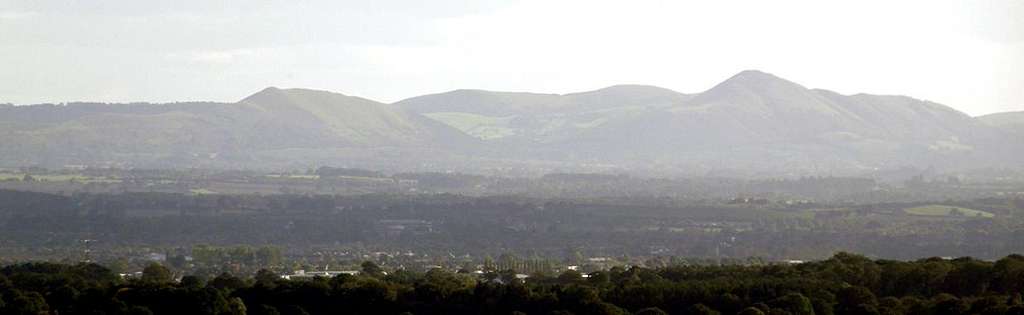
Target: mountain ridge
752 120
754 112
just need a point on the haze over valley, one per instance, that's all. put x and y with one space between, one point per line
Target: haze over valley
542 157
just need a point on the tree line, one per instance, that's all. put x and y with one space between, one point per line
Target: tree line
843 284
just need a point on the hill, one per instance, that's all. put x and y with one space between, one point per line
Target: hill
1010 121
757 119
213 134
332 118
538 118
752 123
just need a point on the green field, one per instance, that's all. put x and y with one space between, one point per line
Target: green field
941 210
480 126
202 191
59 178
293 176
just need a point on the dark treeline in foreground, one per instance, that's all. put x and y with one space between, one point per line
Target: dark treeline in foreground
843 284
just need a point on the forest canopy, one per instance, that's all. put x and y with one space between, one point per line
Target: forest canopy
843 284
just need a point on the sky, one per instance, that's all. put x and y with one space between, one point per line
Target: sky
965 54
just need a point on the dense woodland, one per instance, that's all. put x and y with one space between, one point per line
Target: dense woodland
843 284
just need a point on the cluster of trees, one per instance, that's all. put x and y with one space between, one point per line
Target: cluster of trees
264 256
843 284
531 265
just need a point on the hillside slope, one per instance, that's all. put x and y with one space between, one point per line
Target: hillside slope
757 120
753 120
525 118
1012 122
186 133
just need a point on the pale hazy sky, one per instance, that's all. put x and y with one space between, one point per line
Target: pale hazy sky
966 54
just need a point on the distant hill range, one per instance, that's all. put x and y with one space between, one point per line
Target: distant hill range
753 123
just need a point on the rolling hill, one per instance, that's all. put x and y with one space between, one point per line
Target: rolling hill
1012 122
758 117
753 122
320 117
526 118
216 134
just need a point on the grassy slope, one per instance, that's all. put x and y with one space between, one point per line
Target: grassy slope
480 126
